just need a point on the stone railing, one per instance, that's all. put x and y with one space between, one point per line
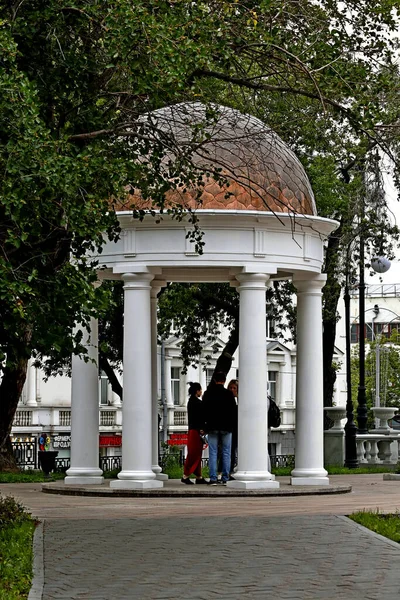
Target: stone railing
180 416
107 418
23 418
378 449
64 418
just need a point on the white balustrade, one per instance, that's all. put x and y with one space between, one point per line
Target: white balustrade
376 449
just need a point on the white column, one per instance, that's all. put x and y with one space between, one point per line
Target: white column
309 452
31 391
202 374
155 288
85 415
136 470
168 389
252 471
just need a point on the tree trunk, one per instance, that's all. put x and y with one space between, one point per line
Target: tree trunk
112 378
331 295
10 392
224 361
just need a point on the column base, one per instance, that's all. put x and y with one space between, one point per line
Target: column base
136 484
84 476
82 480
309 481
253 485
158 473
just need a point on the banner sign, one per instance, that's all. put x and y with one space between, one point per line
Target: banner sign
178 439
61 441
110 440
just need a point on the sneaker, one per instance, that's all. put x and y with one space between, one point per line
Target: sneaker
223 482
213 482
231 478
201 481
186 481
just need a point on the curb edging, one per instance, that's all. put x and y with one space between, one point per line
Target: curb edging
36 591
380 537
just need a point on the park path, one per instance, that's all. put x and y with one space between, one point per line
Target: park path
223 548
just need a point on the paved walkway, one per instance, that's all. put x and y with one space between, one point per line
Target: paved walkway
222 548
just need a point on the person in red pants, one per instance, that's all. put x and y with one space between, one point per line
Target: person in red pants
195 440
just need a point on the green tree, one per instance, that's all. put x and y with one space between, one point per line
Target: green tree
389 381
76 79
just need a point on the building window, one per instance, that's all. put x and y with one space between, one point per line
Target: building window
103 388
381 329
272 379
175 384
209 374
271 328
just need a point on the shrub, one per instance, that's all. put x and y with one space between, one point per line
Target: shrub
12 512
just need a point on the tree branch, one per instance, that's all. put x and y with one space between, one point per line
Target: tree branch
112 378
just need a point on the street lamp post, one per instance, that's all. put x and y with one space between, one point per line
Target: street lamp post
362 413
379 264
350 429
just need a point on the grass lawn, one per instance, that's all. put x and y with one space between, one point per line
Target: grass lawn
16 555
16 560
29 477
336 470
386 525
175 471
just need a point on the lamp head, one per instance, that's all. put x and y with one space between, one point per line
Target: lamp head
380 264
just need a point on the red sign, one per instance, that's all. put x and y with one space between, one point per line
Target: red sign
178 439
110 440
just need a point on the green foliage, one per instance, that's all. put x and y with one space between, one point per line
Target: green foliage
390 372
29 477
12 512
171 457
76 80
16 560
16 533
386 525
196 312
335 470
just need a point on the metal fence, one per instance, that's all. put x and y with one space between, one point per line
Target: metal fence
110 463
277 460
26 454
282 460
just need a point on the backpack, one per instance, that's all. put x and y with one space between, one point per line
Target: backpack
274 414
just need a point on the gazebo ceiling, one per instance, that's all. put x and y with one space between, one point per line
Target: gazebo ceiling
257 170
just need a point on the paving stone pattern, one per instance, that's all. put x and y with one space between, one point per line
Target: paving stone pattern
224 558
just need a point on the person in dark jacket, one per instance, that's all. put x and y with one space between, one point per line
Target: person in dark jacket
233 386
195 440
220 418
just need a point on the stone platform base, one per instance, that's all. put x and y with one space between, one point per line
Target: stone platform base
391 477
174 488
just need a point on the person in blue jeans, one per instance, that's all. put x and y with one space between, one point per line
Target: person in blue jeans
220 416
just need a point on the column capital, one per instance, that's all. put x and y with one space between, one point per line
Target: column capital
156 286
137 281
252 281
310 285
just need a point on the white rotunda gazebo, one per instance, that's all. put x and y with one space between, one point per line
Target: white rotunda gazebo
259 225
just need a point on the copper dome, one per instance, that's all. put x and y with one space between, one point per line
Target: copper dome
257 170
